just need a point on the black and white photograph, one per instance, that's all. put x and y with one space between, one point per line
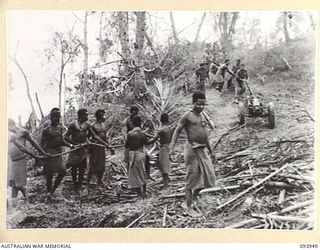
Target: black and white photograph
161 119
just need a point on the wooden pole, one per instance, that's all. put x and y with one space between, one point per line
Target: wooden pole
38 102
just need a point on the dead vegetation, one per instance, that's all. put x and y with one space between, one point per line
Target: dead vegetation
265 181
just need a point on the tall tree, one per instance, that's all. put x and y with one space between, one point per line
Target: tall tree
85 52
285 26
123 30
174 31
140 84
200 26
225 23
15 60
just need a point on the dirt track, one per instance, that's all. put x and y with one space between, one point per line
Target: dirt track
291 142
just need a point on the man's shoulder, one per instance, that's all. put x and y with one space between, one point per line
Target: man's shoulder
22 132
186 115
72 124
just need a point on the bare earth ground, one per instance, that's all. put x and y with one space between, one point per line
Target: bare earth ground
246 155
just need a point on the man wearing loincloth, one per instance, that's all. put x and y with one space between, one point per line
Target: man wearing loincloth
200 171
134 111
77 134
52 142
135 158
97 154
17 150
165 135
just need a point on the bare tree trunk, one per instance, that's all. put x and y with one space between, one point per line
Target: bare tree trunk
60 77
86 52
27 85
285 27
233 26
102 49
227 29
174 31
123 23
140 84
39 105
312 23
20 122
199 28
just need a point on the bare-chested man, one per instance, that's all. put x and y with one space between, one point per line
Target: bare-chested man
77 134
52 142
97 160
17 158
200 171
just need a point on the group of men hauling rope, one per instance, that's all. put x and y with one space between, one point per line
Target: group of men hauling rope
220 76
200 172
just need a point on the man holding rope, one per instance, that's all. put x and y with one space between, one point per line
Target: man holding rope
52 142
17 162
77 134
97 154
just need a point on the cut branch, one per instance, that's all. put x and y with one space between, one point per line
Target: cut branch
252 187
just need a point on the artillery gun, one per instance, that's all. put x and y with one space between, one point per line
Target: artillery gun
253 107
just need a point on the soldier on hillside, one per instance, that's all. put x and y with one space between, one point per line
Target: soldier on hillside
241 77
221 74
202 74
235 68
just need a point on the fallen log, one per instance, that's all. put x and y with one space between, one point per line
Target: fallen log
226 133
164 215
252 187
217 189
136 220
282 218
281 197
285 210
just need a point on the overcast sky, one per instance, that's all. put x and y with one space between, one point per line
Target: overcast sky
29 33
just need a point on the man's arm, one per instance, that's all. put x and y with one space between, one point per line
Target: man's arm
231 73
67 136
182 123
154 139
22 148
96 137
43 139
34 143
